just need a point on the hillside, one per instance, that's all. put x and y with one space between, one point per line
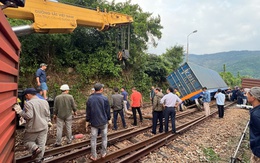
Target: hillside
247 63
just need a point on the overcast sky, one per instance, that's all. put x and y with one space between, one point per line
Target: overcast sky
223 25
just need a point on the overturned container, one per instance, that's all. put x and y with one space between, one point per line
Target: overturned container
190 78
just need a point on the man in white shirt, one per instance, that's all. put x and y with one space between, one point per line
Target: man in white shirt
220 100
170 102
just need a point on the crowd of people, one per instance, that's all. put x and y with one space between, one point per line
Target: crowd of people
36 113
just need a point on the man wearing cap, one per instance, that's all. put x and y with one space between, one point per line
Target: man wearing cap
64 104
98 115
37 114
42 79
253 97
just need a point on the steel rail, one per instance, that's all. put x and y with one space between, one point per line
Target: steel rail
234 157
86 150
143 148
153 146
66 148
83 144
161 142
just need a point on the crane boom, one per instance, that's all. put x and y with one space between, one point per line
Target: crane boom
55 17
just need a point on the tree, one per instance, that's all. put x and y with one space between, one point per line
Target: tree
156 69
173 56
93 54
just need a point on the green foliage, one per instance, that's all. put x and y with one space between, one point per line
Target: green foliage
99 65
156 69
211 155
230 80
18 22
93 54
173 56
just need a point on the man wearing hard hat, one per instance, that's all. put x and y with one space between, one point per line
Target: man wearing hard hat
64 104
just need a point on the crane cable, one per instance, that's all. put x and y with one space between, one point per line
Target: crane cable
123 41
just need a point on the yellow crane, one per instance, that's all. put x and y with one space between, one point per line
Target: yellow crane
50 16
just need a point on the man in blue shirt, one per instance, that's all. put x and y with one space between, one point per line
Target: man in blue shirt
220 100
152 94
206 101
98 115
125 98
253 97
39 93
42 79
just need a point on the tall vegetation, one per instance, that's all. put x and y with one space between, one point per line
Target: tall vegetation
91 55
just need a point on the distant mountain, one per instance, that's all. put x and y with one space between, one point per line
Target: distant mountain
247 63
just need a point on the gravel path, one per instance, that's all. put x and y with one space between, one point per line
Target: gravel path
214 140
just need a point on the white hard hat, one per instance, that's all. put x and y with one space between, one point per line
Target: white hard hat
64 87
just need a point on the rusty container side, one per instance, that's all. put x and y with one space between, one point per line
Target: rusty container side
249 83
9 71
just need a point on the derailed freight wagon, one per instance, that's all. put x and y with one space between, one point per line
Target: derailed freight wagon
248 83
190 78
9 70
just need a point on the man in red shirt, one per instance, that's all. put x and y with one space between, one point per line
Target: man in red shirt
136 103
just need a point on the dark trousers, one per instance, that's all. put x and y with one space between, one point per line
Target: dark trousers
157 115
115 114
134 114
239 100
220 111
169 111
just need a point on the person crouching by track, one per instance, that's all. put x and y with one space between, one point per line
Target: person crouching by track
136 103
157 111
253 97
98 115
37 114
64 104
171 102
206 101
220 100
117 105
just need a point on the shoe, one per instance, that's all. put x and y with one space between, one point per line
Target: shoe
39 161
153 133
173 132
36 152
134 124
103 155
69 142
125 127
114 129
56 145
92 158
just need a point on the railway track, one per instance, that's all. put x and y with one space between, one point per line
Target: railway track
132 150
